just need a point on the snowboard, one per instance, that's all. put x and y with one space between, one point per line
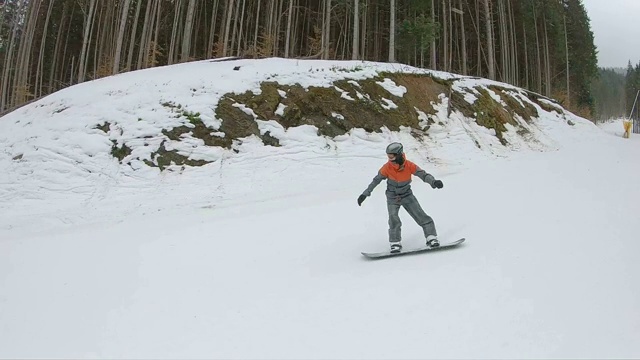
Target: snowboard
425 248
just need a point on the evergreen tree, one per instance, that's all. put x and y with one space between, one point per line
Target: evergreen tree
609 93
632 87
46 45
582 53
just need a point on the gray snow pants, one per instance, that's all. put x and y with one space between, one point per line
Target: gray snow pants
410 203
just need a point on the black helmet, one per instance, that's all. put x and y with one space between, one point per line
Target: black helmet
396 149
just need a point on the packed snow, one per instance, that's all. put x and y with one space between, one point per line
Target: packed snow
389 104
257 254
392 88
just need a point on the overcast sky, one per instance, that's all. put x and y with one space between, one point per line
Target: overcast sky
616 28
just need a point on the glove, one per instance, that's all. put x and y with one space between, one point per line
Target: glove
437 184
361 199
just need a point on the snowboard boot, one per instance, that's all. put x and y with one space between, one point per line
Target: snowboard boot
432 241
396 247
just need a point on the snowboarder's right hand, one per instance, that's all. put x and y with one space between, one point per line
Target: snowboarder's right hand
361 199
437 184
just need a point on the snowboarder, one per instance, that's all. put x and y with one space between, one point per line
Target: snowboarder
398 171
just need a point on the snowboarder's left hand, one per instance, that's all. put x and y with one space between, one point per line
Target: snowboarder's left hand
437 184
361 199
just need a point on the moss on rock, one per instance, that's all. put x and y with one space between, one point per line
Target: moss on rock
120 152
523 108
546 106
492 115
235 122
104 127
336 109
165 158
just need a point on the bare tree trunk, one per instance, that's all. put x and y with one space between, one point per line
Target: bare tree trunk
145 39
479 50
255 35
73 70
63 67
239 51
504 39
155 36
195 48
276 31
452 38
143 36
5 100
566 48
188 31
227 27
535 20
547 62
269 28
343 37
363 32
336 48
212 30
235 28
487 15
2 20
305 30
56 51
123 23
415 48
100 30
295 36
356 30
327 30
134 30
376 30
526 57
503 42
23 48
507 41
450 20
433 41
514 46
21 80
323 11
445 41
174 30
392 32
88 24
179 31
287 42
40 69
111 36
109 45
464 42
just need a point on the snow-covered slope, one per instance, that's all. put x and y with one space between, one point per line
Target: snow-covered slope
257 254
58 158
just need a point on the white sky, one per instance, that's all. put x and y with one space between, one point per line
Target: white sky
616 28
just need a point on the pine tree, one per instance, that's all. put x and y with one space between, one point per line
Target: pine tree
582 53
61 42
609 93
632 87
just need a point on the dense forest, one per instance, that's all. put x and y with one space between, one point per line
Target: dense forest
632 91
615 91
545 46
609 92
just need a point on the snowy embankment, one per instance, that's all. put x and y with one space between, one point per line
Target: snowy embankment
59 169
257 254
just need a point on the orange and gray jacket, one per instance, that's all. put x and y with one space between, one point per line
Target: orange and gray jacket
398 179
